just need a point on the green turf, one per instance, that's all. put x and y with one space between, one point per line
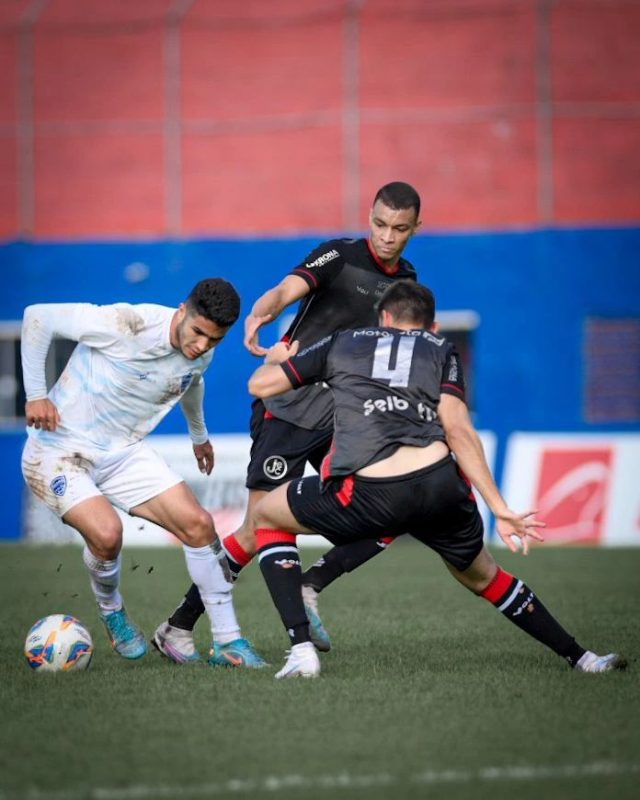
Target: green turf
426 691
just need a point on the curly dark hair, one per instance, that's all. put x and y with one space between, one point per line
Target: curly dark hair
216 300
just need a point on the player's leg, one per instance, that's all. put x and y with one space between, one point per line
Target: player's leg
100 526
65 481
177 510
519 604
454 529
278 452
342 558
331 565
336 562
276 529
174 637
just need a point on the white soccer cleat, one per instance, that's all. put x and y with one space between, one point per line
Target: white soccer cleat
591 662
175 643
302 662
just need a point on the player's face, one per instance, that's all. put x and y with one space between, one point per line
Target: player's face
196 335
391 229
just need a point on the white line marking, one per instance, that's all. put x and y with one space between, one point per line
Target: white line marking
343 780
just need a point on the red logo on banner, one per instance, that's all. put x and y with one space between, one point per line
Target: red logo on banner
572 494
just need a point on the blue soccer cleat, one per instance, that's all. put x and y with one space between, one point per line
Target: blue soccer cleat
126 638
238 653
317 631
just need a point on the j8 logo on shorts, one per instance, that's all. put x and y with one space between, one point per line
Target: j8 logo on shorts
275 467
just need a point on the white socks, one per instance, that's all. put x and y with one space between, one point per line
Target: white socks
215 590
105 579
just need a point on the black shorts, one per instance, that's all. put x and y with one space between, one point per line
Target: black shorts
280 450
434 505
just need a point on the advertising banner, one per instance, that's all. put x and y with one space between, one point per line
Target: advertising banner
223 493
584 486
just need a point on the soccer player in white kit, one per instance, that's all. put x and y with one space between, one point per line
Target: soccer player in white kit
86 452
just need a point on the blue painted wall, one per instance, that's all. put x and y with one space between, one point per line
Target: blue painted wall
532 291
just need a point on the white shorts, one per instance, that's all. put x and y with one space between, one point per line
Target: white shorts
64 478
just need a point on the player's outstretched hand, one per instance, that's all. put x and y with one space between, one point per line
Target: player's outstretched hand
42 414
252 325
204 457
281 352
523 526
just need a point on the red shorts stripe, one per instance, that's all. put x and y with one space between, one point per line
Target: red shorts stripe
265 536
498 586
345 495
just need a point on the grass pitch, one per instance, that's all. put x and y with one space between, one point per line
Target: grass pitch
428 691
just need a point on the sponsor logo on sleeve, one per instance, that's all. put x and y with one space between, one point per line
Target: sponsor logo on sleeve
323 259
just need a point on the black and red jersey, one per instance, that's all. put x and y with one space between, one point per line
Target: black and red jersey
346 280
386 385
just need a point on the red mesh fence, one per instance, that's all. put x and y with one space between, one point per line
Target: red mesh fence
195 117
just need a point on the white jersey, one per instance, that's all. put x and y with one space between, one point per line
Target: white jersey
122 379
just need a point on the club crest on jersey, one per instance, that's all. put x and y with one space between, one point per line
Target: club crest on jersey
185 381
275 467
59 485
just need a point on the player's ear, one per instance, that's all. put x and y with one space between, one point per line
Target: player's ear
435 327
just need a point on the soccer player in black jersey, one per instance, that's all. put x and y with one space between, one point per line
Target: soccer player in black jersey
399 414
338 286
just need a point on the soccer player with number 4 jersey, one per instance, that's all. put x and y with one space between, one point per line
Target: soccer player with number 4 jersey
338 286
400 414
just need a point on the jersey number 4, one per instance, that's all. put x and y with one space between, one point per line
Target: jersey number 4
399 375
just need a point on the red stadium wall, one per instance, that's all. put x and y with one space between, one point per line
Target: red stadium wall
202 117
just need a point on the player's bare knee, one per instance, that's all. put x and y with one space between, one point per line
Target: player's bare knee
261 517
107 544
200 529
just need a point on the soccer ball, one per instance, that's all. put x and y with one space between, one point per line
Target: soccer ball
58 643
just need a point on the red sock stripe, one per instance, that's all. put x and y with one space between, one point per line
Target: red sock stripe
236 550
265 536
345 495
498 586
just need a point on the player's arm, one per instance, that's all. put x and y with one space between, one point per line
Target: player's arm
465 443
269 307
285 368
192 405
40 324
270 379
